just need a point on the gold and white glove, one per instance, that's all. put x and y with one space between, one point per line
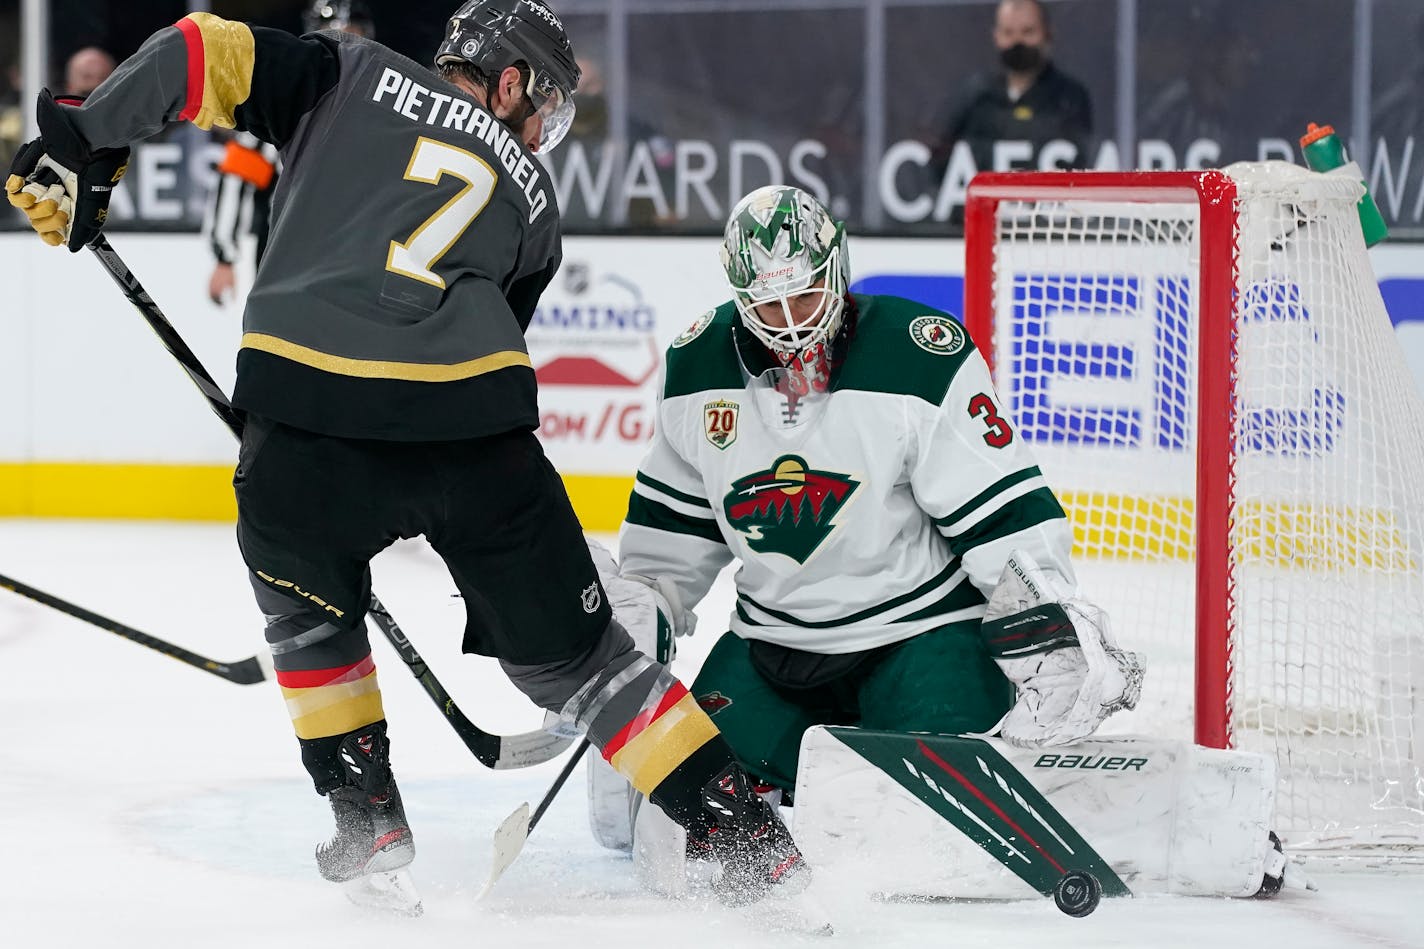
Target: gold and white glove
59 182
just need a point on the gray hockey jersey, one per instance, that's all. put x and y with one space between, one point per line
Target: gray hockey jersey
411 232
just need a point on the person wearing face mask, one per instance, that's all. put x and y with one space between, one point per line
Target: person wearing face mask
1029 114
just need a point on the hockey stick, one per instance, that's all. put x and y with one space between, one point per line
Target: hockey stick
247 671
493 751
510 836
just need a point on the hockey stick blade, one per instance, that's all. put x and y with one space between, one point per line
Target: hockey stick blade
493 751
500 752
509 838
511 835
247 671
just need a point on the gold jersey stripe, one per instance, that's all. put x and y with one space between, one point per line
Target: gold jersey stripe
229 53
383 369
667 742
334 709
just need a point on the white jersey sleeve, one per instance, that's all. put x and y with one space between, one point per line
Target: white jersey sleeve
974 475
670 531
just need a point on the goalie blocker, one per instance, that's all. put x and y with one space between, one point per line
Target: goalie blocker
943 816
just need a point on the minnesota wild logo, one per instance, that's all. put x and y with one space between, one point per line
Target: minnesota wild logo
938 335
695 330
788 509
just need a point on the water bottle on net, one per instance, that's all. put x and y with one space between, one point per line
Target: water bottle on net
1324 152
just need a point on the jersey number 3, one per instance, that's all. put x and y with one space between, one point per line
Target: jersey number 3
999 433
431 161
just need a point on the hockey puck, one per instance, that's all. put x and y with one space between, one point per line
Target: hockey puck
1078 893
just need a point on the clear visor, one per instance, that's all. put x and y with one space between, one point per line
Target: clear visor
789 397
553 106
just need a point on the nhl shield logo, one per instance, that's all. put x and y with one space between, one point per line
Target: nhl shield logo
577 277
938 334
719 423
591 598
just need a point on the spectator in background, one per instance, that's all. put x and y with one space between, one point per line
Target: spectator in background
1030 100
241 200
86 69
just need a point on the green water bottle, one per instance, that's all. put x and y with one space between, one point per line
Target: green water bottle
1324 152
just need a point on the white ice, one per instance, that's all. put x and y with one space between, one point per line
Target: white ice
144 803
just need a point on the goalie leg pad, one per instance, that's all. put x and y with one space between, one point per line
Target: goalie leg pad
611 799
660 861
1165 816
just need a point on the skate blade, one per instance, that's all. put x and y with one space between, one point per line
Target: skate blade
392 892
791 907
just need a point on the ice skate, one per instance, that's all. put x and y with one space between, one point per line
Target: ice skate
748 839
373 844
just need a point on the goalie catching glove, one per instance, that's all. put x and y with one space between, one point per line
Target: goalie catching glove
60 183
1057 651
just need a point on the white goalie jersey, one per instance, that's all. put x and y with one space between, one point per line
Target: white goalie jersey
882 508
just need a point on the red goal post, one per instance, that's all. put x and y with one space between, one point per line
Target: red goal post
1215 195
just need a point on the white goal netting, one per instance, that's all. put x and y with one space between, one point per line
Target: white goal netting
1240 463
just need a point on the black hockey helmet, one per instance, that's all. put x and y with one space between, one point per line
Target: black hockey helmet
495 34
339 15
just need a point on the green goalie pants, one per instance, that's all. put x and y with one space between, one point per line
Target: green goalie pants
940 681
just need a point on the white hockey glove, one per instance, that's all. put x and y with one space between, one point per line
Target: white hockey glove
1057 651
641 605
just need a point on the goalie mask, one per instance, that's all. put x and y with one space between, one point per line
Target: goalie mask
496 34
785 257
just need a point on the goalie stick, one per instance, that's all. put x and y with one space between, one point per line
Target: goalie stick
493 751
247 671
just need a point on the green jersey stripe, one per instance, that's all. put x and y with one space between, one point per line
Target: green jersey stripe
867 613
1022 513
962 596
987 495
648 513
674 493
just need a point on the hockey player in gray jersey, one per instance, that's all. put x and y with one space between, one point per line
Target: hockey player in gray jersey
388 393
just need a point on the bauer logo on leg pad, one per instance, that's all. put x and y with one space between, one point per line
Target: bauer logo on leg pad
1090 762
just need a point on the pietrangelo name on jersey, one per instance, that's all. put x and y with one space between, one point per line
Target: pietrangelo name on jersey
421 104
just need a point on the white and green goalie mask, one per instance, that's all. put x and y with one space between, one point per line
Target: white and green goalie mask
781 243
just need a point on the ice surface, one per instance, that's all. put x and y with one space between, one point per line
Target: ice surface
144 803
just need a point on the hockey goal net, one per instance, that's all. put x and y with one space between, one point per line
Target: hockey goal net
1206 371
